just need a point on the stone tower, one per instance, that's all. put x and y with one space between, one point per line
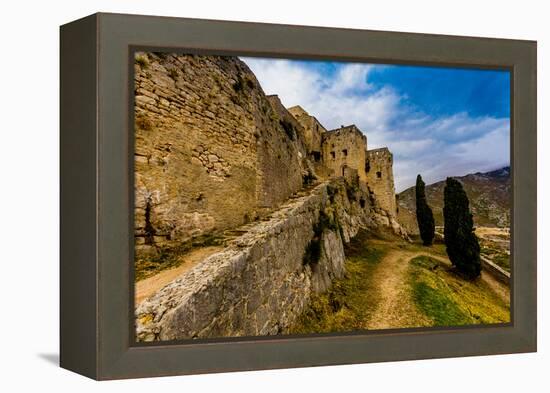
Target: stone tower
345 147
379 172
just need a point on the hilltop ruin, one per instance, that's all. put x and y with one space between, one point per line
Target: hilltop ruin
214 154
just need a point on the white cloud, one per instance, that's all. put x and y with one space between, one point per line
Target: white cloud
293 84
351 79
335 101
436 147
451 146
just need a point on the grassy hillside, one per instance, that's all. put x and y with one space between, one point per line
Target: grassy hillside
489 194
391 283
448 300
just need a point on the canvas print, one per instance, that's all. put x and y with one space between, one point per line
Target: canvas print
294 197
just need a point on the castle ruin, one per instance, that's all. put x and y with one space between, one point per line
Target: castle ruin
214 154
343 152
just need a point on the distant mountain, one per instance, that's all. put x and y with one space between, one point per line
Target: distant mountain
489 194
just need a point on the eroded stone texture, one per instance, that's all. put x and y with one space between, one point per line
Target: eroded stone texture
262 281
210 151
312 130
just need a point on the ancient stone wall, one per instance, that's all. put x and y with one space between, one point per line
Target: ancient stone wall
312 135
345 147
263 280
312 130
379 172
289 123
210 152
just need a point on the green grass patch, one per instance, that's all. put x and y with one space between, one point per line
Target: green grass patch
438 306
350 301
449 300
431 295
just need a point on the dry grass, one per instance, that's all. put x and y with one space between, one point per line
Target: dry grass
169 257
394 284
350 302
450 300
151 285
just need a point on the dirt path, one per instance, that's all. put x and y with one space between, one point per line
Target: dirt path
151 285
395 307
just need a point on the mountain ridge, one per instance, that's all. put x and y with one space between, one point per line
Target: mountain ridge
488 192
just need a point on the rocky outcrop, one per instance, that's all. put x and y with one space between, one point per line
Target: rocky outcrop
263 279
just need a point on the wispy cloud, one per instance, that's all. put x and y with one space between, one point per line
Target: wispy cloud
435 145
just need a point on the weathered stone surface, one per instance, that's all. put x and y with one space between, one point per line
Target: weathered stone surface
261 282
212 153
312 129
379 163
203 126
344 147
331 264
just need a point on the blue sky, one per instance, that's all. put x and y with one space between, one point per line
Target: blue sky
438 121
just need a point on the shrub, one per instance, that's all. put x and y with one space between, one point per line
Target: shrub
149 229
460 240
424 215
352 188
331 192
142 60
313 251
249 82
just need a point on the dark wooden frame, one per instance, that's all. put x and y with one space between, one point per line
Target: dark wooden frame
97 195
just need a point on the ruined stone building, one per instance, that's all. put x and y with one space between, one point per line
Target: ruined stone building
215 154
343 152
345 147
221 159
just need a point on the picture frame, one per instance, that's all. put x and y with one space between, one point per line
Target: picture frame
96 303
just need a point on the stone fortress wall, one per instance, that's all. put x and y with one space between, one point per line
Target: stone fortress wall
214 153
210 151
261 282
313 129
235 153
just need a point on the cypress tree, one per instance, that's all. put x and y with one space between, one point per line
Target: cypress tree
424 215
460 239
